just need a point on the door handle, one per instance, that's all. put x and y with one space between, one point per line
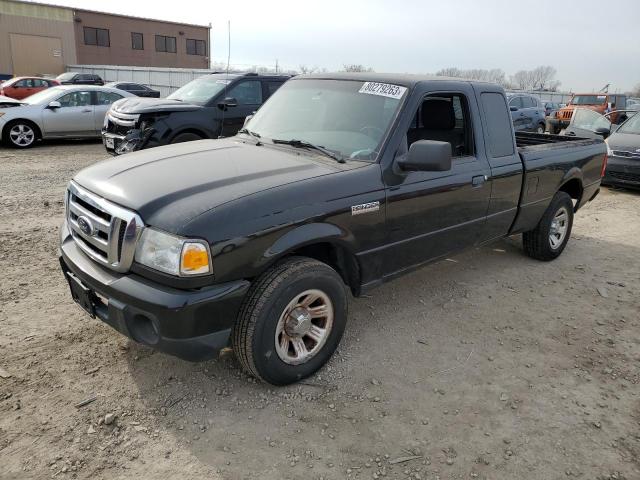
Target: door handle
478 180
86 111
571 134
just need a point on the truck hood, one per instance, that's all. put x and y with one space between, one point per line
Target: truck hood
169 186
136 105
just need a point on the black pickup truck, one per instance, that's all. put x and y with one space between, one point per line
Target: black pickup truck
339 182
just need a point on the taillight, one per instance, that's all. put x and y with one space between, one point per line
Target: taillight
604 165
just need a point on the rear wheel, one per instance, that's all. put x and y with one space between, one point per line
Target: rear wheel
291 321
550 237
540 128
20 134
186 137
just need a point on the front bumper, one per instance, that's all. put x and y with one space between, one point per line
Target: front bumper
190 324
623 172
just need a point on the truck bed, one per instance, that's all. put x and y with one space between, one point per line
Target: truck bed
524 140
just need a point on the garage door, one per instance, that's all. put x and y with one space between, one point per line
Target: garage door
33 55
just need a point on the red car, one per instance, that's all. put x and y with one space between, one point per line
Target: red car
22 87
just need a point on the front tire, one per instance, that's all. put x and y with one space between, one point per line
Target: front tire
541 128
291 321
549 238
20 134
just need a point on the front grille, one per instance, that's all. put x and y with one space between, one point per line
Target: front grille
104 231
566 114
625 177
120 123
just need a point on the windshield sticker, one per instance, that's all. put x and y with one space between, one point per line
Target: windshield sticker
383 89
224 82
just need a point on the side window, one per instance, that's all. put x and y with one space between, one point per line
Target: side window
528 102
272 87
107 98
247 93
40 83
444 118
75 99
23 84
516 102
498 125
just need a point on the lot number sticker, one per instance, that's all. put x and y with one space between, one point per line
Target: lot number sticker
383 89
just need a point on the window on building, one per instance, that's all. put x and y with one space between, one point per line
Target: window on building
196 47
96 36
165 44
137 41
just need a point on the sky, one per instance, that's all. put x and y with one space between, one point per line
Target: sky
590 43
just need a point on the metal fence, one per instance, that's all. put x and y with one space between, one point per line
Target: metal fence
167 80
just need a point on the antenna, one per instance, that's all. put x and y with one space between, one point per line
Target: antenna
224 109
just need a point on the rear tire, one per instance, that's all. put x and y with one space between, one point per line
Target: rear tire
186 137
540 128
548 240
275 338
20 134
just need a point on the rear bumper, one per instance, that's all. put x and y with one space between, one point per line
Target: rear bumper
622 172
190 324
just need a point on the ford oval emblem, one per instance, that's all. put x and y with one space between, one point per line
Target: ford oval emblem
85 225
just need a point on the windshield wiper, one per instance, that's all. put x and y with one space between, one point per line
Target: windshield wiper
310 146
249 132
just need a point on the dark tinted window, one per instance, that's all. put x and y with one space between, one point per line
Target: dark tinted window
165 44
137 41
528 102
107 98
498 125
96 36
272 87
196 47
247 93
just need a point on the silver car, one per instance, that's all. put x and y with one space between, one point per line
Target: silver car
67 111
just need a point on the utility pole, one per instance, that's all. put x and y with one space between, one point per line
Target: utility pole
276 65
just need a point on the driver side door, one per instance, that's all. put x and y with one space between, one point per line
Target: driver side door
248 95
74 117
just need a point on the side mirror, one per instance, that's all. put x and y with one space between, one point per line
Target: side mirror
427 156
604 132
227 103
53 105
513 109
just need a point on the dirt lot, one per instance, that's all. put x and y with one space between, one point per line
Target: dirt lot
489 365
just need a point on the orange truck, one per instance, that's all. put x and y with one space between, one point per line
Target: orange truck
599 102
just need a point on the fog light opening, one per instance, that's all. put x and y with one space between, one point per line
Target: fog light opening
143 330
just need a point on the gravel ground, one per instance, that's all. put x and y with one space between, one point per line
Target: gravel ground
489 365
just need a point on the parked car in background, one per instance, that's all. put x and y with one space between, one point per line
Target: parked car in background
22 87
598 102
75 78
211 106
633 104
58 112
551 107
623 143
527 112
137 89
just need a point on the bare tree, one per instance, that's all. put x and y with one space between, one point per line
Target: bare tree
450 72
495 75
540 78
356 68
636 91
303 69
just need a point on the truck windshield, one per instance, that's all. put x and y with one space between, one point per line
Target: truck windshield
588 99
201 90
348 117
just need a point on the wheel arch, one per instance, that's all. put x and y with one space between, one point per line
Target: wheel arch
6 127
324 242
193 130
572 186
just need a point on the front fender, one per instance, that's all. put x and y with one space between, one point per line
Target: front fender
306 235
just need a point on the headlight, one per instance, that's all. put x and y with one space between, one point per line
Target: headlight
173 255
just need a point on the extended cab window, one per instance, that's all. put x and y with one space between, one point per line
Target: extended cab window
247 93
444 118
498 123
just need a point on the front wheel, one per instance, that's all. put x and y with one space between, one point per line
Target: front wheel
540 128
549 238
291 321
20 134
